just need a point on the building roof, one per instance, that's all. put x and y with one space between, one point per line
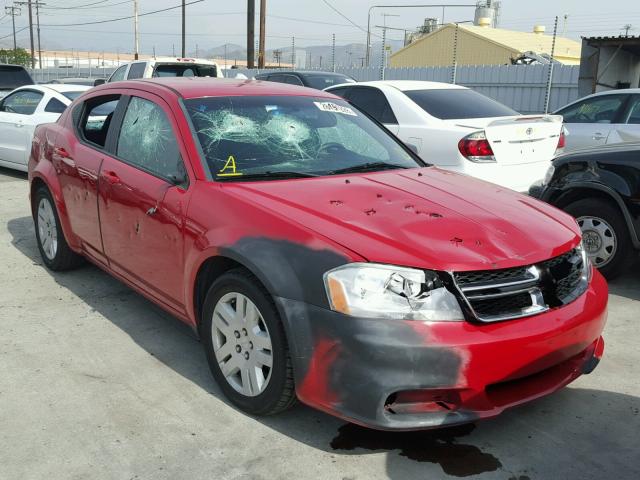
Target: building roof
520 42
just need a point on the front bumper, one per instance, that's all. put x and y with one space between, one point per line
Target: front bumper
406 375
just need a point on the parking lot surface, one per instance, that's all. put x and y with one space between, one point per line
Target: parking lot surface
96 382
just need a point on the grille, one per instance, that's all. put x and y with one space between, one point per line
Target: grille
494 295
502 305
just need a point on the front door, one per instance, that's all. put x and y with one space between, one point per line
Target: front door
16 125
143 198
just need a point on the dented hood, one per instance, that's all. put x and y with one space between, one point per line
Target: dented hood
426 218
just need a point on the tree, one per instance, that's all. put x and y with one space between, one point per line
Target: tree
18 56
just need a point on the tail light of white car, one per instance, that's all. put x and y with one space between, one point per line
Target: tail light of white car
561 141
476 147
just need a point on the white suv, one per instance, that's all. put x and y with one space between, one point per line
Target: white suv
164 67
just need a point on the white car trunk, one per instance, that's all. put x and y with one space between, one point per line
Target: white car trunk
520 139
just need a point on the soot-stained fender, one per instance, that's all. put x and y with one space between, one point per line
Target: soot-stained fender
349 366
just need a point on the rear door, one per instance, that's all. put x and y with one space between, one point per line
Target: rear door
78 154
143 197
372 101
17 124
590 121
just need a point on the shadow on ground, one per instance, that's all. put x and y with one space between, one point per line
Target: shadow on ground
557 434
9 175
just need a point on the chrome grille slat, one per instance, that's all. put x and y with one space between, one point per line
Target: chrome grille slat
504 294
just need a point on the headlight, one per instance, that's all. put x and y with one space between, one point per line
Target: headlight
383 291
586 263
549 175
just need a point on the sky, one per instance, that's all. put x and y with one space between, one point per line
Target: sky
211 23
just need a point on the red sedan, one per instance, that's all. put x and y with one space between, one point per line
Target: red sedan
317 257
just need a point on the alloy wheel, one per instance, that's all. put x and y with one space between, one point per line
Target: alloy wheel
47 229
599 240
242 344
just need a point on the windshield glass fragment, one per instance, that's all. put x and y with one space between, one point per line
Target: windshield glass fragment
247 136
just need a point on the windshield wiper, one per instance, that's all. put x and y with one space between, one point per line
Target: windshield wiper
278 175
367 167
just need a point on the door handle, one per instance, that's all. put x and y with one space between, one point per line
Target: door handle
111 177
599 136
19 124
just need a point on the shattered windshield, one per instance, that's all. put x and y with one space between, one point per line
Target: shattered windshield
245 137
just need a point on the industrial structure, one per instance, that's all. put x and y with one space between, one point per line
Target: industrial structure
481 44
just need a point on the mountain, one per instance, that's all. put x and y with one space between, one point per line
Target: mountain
315 56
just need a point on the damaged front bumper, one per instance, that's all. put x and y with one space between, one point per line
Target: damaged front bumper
406 375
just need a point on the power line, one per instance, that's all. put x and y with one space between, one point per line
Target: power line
121 18
89 6
344 16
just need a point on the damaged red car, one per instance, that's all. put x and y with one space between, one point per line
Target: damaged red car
317 257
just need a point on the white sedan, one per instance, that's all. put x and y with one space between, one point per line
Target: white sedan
459 129
22 110
603 118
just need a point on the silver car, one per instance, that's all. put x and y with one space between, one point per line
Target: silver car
602 118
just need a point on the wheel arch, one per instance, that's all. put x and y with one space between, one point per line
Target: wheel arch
579 191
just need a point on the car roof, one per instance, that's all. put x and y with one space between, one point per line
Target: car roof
56 87
66 87
196 87
407 85
618 91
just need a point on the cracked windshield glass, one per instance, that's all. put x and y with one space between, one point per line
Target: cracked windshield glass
261 137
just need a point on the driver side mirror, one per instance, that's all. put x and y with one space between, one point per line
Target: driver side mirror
99 81
412 147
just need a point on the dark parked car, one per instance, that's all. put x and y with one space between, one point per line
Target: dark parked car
12 77
600 188
317 80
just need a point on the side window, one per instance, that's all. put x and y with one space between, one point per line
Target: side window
602 109
137 70
293 80
96 119
278 78
634 111
147 140
23 102
55 106
118 75
373 101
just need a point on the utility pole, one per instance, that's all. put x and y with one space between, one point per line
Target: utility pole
277 54
29 4
184 29
13 11
626 29
261 48
547 96
251 20
38 4
135 30
33 59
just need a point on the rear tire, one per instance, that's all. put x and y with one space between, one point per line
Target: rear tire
605 235
246 345
54 249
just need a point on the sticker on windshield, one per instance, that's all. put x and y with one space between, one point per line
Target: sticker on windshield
229 169
335 108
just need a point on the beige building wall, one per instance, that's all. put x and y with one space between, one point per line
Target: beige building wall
436 50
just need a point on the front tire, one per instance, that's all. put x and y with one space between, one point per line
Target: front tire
246 346
605 235
54 249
